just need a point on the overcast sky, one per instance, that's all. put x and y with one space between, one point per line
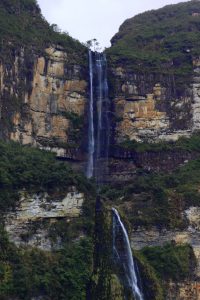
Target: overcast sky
88 19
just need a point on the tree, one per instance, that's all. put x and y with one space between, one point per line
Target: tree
93 44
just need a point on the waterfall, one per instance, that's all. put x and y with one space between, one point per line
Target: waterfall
91 142
98 148
123 255
99 107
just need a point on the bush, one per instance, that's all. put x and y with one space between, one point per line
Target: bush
171 261
27 273
34 170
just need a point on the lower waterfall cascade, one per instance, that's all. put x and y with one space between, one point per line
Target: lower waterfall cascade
123 255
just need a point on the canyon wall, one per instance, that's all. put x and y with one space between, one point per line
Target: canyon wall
49 101
149 107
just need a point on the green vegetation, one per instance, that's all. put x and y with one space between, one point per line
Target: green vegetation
77 123
34 170
152 285
183 143
171 261
21 24
163 40
158 199
161 264
27 273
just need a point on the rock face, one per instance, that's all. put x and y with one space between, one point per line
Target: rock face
154 74
50 113
184 291
147 109
31 221
141 237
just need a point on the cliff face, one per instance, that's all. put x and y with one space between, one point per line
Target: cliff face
46 226
51 113
148 107
154 75
43 82
147 110
37 215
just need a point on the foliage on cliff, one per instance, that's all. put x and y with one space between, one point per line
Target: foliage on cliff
22 24
34 170
174 262
191 144
158 199
27 273
168 37
158 265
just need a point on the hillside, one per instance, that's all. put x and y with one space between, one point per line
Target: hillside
22 24
42 71
167 37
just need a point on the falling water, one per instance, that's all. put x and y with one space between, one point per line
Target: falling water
91 140
123 255
98 146
98 134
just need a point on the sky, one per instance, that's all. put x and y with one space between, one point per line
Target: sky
100 19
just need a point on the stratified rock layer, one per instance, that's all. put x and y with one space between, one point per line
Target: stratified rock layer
26 226
44 112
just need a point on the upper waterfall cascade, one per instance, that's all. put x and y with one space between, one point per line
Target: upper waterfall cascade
90 165
98 129
123 255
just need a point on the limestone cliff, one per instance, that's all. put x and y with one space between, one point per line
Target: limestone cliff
58 92
154 74
148 107
37 214
43 82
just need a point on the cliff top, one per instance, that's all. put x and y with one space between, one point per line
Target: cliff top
168 36
22 24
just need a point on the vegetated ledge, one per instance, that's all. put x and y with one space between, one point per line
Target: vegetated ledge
27 272
190 144
159 200
34 170
160 266
158 156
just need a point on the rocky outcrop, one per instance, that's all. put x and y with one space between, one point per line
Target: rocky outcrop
183 291
30 223
50 108
124 163
147 107
142 237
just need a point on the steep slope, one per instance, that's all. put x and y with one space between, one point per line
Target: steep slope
168 36
154 74
43 86
23 24
44 204
46 226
